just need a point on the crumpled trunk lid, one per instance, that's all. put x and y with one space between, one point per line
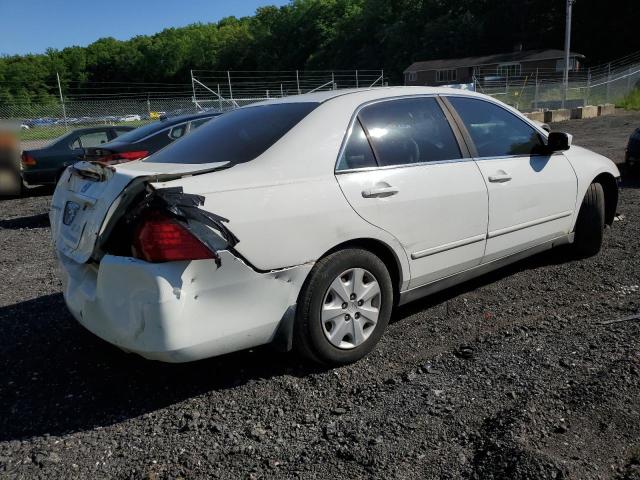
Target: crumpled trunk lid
88 194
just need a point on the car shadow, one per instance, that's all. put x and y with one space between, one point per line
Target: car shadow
630 175
33 221
37 191
555 256
538 162
58 378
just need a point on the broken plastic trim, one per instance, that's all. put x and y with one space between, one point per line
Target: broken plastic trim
184 207
94 171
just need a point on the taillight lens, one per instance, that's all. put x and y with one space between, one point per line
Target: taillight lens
162 239
121 157
28 160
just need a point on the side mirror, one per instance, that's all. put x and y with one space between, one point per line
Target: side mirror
559 141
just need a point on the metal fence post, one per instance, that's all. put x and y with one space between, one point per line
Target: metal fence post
628 80
608 81
230 90
298 82
357 86
588 86
193 89
219 99
333 81
64 110
382 77
535 93
281 91
506 87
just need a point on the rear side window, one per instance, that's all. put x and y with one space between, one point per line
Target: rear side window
238 136
178 131
197 123
495 131
411 130
140 132
357 152
90 140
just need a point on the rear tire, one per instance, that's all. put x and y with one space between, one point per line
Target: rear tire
589 230
331 329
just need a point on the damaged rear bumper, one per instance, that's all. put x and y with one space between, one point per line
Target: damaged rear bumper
180 311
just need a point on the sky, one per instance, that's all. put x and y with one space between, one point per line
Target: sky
32 26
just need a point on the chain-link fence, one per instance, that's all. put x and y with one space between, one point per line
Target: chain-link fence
544 89
42 121
117 104
226 89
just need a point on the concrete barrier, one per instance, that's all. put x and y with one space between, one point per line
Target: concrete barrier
590 111
535 116
559 115
606 109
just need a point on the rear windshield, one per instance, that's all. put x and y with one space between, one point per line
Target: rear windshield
140 132
237 137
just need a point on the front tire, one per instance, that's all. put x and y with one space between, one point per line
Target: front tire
589 230
343 308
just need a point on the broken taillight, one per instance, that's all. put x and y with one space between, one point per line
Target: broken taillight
162 239
28 160
121 157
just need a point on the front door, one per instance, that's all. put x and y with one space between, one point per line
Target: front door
402 170
532 194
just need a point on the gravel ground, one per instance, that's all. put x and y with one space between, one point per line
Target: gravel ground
542 389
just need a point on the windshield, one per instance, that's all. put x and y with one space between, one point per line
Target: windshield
238 136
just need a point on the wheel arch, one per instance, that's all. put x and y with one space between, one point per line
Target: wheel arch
383 251
610 189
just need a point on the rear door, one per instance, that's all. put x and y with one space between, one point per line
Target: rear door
532 194
403 169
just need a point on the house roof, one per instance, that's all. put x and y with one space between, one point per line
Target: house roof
519 56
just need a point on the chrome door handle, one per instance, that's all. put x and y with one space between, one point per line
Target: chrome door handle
500 178
379 192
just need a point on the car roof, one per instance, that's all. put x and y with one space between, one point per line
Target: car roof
380 92
187 117
97 129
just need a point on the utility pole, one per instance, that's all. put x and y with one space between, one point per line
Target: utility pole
567 48
64 110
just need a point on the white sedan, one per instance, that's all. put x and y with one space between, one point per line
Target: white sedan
303 221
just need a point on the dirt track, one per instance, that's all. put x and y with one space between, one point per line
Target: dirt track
549 391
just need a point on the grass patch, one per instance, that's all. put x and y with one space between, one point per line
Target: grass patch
631 101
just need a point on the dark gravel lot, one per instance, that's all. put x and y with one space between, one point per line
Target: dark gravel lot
548 391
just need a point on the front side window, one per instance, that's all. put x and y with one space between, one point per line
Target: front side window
411 130
238 136
495 131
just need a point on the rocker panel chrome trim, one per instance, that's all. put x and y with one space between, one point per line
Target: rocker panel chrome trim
446 282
